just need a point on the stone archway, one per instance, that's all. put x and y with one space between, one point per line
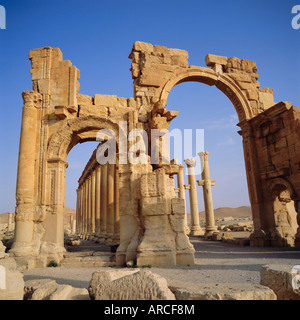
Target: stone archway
222 82
56 117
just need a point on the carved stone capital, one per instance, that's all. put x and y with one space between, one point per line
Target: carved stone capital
31 99
190 162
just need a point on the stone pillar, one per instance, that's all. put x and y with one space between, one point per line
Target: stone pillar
93 200
259 236
98 199
195 226
88 207
77 210
79 225
10 221
85 202
117 216
181 193
110 201
25 190
73 226
103 205
210 227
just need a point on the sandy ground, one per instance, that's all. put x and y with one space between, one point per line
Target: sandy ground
216 262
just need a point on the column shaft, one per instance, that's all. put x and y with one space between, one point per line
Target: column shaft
117 214
103 196
207 195
110 201
195 226
93 200
181 194
25 190
98 199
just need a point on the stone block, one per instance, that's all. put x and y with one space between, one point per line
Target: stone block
252 94
12 283
178 206
84 99
212 59
281 280
143 46
249 66
154 206
61 112
141 285
224 291
157 258
266 98
234 63
106 100
152 77
53 291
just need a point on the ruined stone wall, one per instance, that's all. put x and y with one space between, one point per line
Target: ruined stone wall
56 118
277 137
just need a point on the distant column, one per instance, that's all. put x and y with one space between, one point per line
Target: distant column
84 211
93 200
89 204
80 226
206 183
117 215
195 225
103 206
110 201
10 221
181 194
98 199
77 209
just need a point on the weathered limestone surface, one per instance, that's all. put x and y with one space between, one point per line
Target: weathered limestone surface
140 285
56 117
279 278
46 289
11 280
276 133
223 291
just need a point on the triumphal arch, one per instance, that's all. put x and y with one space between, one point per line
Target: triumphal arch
148 218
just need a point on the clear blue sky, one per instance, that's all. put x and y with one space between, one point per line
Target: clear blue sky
97 36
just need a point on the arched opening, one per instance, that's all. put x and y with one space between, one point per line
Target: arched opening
73 132
77 159
212 112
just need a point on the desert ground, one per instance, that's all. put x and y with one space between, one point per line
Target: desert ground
230 262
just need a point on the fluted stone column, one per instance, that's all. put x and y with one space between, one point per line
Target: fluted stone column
181 193
110 201
10 221
25 190
117 215
97 199
103 206
93 200
210 227
77 209
195 225
80 222
85 220
88 206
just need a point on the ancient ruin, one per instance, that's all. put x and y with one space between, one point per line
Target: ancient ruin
138 207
